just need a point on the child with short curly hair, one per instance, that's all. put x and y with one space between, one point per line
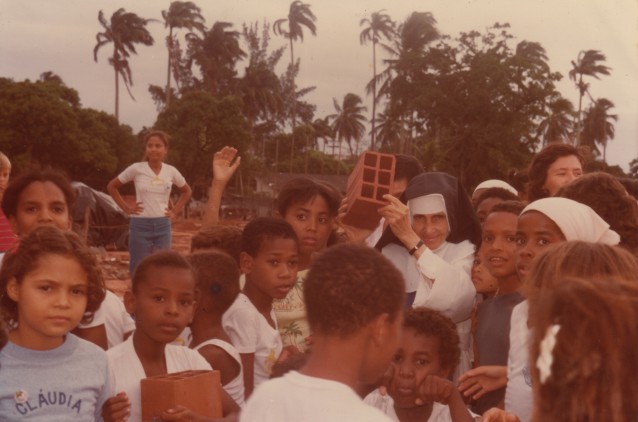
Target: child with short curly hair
418 382
48 285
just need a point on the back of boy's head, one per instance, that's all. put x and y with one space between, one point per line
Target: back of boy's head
18 184
302 189
511 207
263 229
221 237
499 193
216 274
631 186
348 286
590 369
161 259
26 255
578 259
604 194
406 167
428 322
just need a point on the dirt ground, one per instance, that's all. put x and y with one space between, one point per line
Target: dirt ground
115 264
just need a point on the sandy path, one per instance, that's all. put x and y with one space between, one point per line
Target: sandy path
115 264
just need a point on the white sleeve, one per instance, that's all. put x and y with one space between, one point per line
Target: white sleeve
128 174
99 318
177 178
444 287
241 327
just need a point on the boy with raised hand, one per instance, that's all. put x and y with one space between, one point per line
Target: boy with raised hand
354 301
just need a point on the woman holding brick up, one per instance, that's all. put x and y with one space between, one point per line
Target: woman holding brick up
431 238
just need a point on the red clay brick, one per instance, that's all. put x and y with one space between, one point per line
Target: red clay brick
200 391
371 178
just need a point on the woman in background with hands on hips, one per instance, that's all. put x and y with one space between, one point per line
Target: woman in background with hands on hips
150 222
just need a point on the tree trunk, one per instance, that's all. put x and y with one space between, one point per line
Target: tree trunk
117 92
580 103
306 164
168 71
339 159
294 106
374 91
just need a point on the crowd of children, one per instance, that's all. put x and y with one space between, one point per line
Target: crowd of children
509 306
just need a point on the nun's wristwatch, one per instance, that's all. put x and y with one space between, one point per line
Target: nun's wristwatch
416 247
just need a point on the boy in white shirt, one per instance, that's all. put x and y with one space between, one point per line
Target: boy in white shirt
269 259
354 302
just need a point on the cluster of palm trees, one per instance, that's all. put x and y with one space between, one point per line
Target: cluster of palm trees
411 65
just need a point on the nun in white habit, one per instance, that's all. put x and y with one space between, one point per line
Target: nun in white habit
431 236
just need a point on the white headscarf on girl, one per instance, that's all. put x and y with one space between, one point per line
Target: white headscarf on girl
577 221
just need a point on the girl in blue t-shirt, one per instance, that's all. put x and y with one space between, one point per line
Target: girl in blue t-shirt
50 283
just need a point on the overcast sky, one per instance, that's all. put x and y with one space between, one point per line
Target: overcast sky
41 35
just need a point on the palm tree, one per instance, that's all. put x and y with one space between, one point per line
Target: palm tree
391 131
598 126
216 54
124 31
299 15
347 123
378 26
180 14
557 126
587 64
407 64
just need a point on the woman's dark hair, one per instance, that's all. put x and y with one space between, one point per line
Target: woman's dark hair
156 133
302 190
540 164
20 183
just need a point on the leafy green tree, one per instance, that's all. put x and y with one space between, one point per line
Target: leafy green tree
124 30
598 126
633 168
378 26
44 123
180 14
200 124
470 105
347 122
299 16
588 63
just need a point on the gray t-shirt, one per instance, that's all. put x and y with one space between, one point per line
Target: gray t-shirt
493 341
70 382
